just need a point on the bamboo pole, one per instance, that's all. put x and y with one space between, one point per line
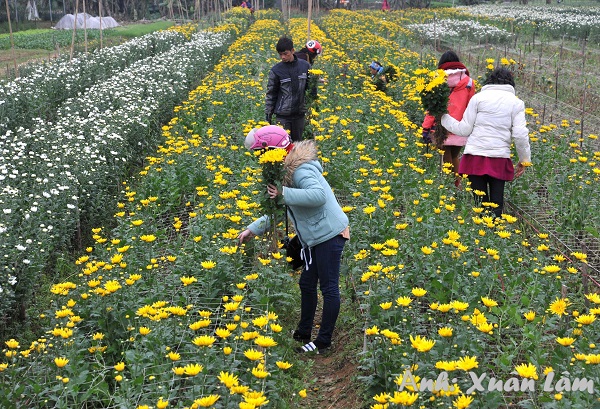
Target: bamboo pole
85 40
583 96
12 41
74 30
309 19
100 17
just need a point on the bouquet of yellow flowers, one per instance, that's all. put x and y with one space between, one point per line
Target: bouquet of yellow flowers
434 92
315 77
271 161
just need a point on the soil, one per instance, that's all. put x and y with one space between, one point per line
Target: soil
7 60
332 380
332 377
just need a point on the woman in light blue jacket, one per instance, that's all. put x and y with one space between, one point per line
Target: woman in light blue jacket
321 226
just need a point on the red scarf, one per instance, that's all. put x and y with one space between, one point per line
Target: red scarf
454 65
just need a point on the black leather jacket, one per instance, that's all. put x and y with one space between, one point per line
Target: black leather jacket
286 88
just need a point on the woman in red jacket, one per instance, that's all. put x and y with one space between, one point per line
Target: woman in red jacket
463 89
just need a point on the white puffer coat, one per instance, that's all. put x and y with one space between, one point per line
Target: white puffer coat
493 119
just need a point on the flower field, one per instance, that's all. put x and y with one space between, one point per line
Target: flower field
164 310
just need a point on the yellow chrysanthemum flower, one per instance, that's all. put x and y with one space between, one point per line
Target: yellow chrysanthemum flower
462 402
488 302
386 305
228 379
204 341
421 344
467 363
404 398
418 292
566 341
253 354
188 280
207 401
445 332
446 366
208 264
192 369
283 365
265 342
259 373
272 156
527 371
580 256
559 306
586 319
61 361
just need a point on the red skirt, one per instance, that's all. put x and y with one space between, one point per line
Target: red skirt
499 168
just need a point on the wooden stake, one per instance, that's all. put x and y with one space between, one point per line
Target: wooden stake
12 41
74 31
100 17
583 97
85 41
309 19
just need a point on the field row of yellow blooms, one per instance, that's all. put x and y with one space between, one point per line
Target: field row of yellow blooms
167 311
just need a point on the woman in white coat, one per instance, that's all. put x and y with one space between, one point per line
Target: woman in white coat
494 118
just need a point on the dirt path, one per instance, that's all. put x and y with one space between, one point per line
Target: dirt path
332 381
333 378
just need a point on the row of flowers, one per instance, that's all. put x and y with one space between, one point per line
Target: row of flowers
473 268
166 311
57 176
580 22
448 29
43 87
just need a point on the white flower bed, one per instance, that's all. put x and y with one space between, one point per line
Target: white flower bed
550 17
51 172
471 30
42 87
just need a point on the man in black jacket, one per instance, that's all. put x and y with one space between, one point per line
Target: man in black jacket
286 88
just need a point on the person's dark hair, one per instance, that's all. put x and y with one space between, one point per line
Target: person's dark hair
500 75
284 44
305 52
448 56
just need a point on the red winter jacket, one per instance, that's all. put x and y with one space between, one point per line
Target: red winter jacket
457 103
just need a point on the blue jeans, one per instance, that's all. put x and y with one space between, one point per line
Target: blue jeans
324 270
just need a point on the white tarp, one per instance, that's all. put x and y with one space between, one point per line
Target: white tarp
31 9
84 20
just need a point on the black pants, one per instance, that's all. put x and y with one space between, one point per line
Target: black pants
493 188
293 124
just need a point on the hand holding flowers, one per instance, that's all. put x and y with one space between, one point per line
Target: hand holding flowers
434 92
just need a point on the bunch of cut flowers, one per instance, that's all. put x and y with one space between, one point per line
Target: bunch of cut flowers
315 77
434 92
271 161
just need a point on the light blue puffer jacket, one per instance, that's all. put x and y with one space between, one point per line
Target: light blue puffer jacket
313 208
